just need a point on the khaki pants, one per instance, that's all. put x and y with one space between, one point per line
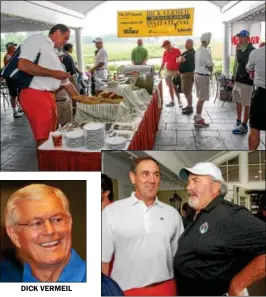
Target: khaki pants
64 110
169 75
242 94
202 84
187 80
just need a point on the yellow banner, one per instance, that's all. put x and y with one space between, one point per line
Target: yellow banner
151 23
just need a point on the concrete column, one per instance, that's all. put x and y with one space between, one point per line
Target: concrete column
243 168
227 47
79 48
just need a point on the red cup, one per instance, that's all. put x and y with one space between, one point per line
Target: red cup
57 139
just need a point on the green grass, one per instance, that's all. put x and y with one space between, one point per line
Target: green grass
122 51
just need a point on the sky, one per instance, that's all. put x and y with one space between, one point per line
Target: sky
103 20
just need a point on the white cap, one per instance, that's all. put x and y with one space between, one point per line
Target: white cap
98 39
204 168
206 37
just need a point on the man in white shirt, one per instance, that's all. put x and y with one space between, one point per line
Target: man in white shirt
142 233
38 101
256 65
100 70
203 69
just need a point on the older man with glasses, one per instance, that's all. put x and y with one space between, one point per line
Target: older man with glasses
39 223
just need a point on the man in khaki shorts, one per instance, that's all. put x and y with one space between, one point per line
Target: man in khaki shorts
243 86
203 68
170 58
186 69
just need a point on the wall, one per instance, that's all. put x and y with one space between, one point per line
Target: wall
76 194
164 196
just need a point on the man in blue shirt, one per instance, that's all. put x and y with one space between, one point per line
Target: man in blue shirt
39 223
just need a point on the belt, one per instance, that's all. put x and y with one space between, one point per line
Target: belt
100 69
61 100
201 74
155 284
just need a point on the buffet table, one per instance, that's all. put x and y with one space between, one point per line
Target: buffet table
81 159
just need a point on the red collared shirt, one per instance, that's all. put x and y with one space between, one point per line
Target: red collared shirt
170 59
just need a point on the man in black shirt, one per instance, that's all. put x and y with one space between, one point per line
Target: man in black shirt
223 250
186 69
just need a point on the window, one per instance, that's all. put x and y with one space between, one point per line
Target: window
242 201
256 166
230 170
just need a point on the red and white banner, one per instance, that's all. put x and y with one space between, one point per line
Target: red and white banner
254 30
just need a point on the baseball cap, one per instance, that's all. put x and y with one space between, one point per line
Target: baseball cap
204 168
243 33
98 39
9 44
166 42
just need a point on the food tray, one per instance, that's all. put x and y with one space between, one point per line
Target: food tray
88 99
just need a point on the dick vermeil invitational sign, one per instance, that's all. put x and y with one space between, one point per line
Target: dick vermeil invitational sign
152 23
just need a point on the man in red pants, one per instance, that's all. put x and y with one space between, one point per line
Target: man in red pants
142 233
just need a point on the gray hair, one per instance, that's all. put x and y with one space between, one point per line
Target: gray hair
223 187
31 192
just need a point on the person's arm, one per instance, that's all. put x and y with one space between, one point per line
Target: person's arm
107 241
133 57
235 68
71 90
246 238
252 273
250 67
102 57
209 62
146 57
163 63
36 70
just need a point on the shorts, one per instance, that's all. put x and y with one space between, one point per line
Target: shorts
202 84
12 88
187 80
257 110
169 76
242 94
40 109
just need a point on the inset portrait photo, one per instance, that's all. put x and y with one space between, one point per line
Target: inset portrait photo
43 231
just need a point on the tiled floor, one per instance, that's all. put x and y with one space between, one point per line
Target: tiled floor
176 132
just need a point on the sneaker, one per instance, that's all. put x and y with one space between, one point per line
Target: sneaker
238 123
20 110
201 123
241 129
17 114
180 104
172 103
188 110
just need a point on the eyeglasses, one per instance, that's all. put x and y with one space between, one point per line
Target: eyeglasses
39 224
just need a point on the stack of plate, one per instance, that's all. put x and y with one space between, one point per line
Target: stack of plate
94 135
116 143
74 139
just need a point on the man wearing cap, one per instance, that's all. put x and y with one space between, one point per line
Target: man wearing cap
170 59
12 88
257 121
223 250
243 84
139 55
186 69
203 69
99 71
142 233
